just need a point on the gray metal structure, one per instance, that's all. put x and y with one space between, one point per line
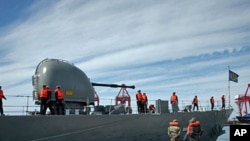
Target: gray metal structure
78 89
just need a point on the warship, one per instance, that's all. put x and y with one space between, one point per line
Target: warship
85 119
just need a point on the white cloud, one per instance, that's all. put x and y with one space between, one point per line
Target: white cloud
158 46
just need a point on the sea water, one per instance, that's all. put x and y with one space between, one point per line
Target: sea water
225 137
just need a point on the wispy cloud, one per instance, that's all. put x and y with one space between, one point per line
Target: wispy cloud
158 46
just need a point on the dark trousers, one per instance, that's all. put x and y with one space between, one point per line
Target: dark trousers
50 106
196 105
60 107
139 106
212 106
1 107
43 106
144 107
223 105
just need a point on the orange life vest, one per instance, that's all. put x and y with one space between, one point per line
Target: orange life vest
139 97
174 98
174 123
43 93
60 94
195 100
144 98
192 124
211 100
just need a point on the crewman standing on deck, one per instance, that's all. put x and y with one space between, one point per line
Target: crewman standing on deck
59 100
43 99
174 102
195 103
49 103
144 103
139 101
1 102
223 100
212 103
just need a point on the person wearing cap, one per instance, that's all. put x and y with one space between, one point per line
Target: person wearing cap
174 130
174 102
139 101
43 99
59 100
1 102
194 130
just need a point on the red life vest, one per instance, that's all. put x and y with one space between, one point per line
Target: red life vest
144 98
174 98
174 123
43 93
139 97
1 94
195 100
60 94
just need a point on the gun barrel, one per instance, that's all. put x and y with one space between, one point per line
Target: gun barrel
113 85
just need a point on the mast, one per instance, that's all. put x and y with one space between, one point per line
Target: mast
229 88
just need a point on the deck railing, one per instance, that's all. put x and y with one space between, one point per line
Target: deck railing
28 109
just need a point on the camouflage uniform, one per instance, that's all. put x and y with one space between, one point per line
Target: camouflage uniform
174 132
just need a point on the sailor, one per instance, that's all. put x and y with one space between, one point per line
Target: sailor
59 100
174 102
144 102
194 130
212 103
174 130
139 101
1 102
223 100
43 99
195 103
49 103
151 108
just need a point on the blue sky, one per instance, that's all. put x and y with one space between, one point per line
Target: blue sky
158 46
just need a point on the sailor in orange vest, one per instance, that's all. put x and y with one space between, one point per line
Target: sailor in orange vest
194 130
223 100
49 103
144 102
212 103
139 101
195 103
59 100
43 99
174 130
174 102
1 102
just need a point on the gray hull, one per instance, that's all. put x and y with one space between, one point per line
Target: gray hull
134 127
